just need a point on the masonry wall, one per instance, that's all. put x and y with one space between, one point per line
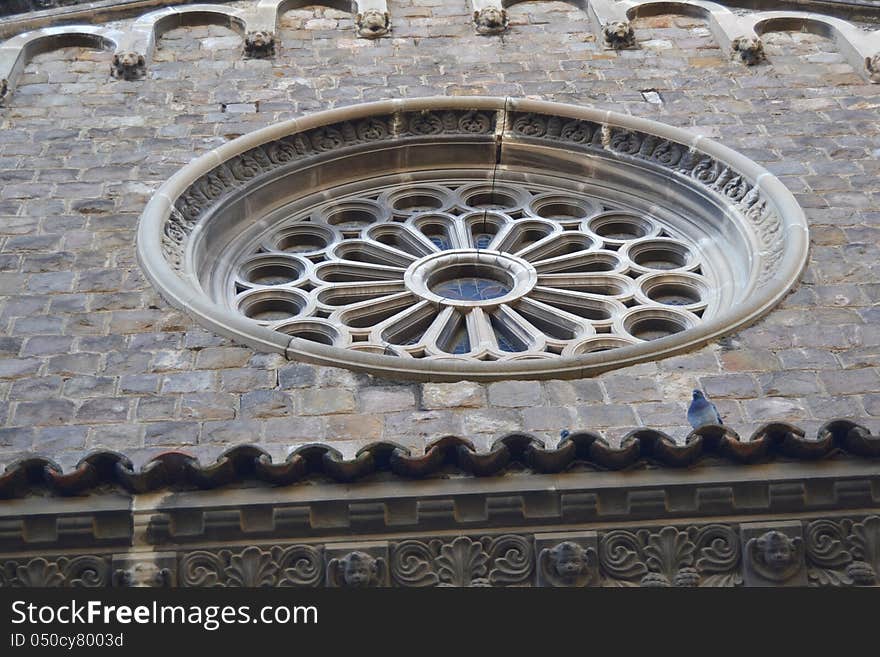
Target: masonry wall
91 357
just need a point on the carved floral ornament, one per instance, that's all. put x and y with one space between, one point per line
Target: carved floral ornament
600 241
825 552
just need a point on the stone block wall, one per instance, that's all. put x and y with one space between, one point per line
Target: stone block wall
91 357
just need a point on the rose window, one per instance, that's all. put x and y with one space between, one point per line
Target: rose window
473 238
470 269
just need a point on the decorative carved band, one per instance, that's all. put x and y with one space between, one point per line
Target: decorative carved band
821 552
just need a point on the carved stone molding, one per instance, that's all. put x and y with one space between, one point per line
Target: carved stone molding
817 552
462 562
293 566
84 571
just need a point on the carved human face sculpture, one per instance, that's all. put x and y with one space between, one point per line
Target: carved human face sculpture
749 49
776 549
568 560
128 65
358 569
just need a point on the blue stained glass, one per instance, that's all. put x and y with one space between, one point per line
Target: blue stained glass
462 344
504 343
482 240
471 289
440 241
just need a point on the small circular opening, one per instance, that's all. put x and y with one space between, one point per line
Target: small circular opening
620 229
561 211
271 274
301 241
674 295
661 258
470 283
351 218
654 328
274 308
491 201
417 203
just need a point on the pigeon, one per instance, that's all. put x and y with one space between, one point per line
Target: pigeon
702 411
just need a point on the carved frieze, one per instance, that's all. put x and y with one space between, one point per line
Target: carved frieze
294 566
83 571
463 562
819 552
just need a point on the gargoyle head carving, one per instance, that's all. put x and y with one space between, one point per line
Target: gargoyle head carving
491 20
128 66
619 34
259 44
872 64
750 50
373 23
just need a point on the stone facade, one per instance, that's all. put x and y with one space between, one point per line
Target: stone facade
93 358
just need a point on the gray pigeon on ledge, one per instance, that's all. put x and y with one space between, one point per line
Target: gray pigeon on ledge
702 411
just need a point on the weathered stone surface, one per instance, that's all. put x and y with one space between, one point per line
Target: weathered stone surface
463 394
92 356
515 393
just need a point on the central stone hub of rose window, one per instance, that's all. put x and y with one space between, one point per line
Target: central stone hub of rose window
470 278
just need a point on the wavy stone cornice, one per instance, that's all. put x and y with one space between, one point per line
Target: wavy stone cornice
449 455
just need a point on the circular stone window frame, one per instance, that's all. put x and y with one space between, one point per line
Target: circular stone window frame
181 211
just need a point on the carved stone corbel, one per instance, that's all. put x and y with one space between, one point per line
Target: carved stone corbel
749 50
491 20
619 35
372 23
128 65
259 44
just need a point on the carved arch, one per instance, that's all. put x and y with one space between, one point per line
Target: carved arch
149 28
